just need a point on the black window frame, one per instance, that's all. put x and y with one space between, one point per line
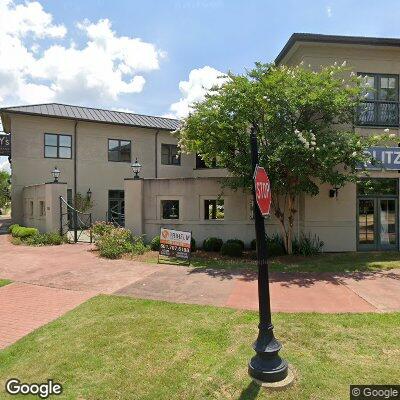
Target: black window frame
207 204
171 157
57 146
376 106
162 202
119 151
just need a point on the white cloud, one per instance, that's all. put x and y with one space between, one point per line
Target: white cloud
200 81
106 66
329 11
4 164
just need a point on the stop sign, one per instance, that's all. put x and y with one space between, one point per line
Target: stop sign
263 190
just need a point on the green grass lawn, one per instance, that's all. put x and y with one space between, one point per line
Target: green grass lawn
4 282
328 262
120 348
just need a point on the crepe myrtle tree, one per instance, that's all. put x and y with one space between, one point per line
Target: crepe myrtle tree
304 123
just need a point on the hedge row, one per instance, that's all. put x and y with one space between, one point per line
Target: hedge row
32 237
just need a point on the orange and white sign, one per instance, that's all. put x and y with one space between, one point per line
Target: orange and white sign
175 243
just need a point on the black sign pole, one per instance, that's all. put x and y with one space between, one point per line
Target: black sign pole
266 365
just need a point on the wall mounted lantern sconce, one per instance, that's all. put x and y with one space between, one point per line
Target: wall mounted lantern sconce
89 194
334 192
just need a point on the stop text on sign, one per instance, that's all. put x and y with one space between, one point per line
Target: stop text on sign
262 190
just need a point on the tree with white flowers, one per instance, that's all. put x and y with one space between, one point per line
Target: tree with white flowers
304 125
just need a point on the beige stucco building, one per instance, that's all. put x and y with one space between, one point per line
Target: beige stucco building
94 149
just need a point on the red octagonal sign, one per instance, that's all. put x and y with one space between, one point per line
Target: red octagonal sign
263 190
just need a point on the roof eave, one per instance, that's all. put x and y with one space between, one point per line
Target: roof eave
5 111
319 38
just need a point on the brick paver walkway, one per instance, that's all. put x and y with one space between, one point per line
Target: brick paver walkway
26 307
52 280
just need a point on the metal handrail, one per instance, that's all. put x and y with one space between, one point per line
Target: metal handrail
76 219
110 218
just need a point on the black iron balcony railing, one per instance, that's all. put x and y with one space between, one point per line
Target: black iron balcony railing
378 113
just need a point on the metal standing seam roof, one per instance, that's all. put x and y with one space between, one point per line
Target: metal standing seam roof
57 110
320 38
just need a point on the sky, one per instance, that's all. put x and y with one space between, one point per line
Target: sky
157 57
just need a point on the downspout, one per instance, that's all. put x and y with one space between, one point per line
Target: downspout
75 180
156 154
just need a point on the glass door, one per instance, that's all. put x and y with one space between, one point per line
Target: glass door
377 224
366 215
116 207
387 224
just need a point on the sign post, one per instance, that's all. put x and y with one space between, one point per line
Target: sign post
266 366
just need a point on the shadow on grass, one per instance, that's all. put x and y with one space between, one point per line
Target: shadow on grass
303 271
250 392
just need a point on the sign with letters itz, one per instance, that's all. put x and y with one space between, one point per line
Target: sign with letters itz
175 245
5 145
385 158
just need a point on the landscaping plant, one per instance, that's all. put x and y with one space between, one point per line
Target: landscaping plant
100 228
232 249
307 245
238 241
155 243
119 241
212 244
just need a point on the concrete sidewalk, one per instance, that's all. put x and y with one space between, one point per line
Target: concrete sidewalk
70 274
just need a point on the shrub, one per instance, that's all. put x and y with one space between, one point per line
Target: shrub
16 241
238 241
23 232
11 227
232 249
275 246
212 244
307 245
100 228
155 243
45 239
115 243
138 246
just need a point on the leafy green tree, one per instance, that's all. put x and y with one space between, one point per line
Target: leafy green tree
83 203
303 120
5 188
